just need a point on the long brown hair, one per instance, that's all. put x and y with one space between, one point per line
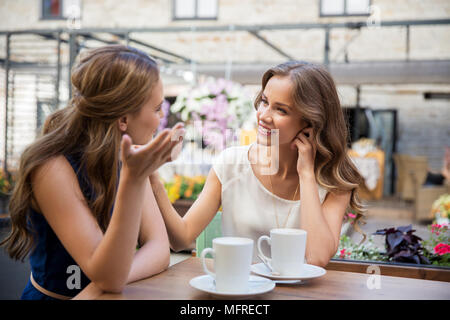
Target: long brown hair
108 83
315 97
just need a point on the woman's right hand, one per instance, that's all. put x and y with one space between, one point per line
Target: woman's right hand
140 162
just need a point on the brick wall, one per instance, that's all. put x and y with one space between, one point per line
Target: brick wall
423 124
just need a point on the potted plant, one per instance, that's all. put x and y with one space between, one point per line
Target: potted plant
437 247
402 245
362 251
6 186
183 191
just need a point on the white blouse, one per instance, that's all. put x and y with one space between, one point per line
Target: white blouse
248 208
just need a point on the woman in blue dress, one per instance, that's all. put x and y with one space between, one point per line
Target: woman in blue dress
82 202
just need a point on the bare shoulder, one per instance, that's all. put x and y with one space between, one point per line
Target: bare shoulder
53 178
57 164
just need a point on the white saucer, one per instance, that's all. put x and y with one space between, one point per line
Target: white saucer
257 285
309 272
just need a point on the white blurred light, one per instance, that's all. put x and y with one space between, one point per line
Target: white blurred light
188 76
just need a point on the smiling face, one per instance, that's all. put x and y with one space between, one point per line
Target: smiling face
277 111
142 125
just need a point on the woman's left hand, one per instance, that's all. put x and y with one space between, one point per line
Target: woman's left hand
306 152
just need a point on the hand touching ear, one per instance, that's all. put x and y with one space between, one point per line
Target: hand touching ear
306 152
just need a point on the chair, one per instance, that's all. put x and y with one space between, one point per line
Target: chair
411 175
363 190
411 172
212 231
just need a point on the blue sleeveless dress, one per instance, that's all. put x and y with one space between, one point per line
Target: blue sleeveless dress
51 264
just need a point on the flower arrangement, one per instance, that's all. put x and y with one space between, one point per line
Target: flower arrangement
362 251
350 217
216 104
184 187
165 108
441 209
437 247
401 245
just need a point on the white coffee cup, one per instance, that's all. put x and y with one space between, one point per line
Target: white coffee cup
232 260
287 248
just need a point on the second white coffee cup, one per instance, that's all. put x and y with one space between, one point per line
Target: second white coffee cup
232 260
287 248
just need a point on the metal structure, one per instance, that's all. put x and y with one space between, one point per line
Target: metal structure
38 63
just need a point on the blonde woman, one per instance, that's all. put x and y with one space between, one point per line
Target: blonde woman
314 181
83 201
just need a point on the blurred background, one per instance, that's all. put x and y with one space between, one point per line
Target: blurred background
390 60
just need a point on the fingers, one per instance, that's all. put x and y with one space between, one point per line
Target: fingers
161 149
158 142
172 153
303 140
295 143
160 138
174 149
125 147
179 125
176 135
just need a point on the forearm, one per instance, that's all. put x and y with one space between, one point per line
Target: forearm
111 261
149 260
175 225
320 244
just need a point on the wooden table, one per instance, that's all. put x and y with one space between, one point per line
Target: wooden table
173 284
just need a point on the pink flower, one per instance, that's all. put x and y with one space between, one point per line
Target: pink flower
442 248
342 253
439 228
351 215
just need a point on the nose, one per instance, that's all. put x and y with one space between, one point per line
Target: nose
265 114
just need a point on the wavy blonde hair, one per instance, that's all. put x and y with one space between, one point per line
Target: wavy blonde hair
108 83
315 97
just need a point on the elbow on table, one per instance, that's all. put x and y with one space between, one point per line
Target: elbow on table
319 261
165 262
111 286
108 281
178 246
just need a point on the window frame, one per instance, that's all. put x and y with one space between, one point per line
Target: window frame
45 17
195 17
344 14
61 16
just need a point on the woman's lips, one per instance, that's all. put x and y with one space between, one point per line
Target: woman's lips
265 131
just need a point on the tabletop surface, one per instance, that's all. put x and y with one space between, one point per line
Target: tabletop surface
173 284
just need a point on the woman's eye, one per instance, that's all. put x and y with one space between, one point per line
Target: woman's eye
264 102
282 110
